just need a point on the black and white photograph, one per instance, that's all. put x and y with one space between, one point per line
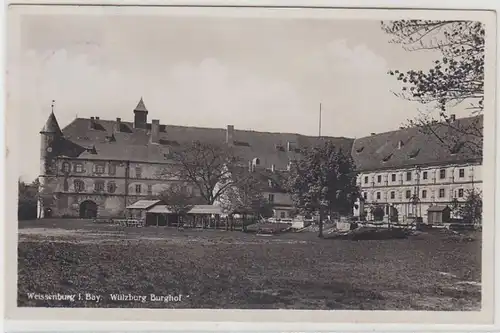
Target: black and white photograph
251 159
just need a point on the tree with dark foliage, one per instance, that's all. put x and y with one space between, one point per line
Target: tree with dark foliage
323 181
472 209
27 200
178 200
456 77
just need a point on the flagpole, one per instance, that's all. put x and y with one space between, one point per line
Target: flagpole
319 129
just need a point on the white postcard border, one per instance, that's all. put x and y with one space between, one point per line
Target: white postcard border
291 318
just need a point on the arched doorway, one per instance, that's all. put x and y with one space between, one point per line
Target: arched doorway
88 209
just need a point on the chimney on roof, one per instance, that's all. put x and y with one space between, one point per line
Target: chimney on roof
92 123
400 144
373 133
140 115
118 124
273 168
289 146
453 118
155 131
96 118
230 135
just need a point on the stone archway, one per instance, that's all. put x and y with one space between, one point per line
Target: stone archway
88 209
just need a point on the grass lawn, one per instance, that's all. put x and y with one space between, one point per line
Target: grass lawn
223 269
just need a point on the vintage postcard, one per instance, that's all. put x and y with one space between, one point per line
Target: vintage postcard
250 164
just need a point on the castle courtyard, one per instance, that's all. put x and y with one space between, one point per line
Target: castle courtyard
157 267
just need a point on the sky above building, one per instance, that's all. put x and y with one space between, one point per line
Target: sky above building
263 74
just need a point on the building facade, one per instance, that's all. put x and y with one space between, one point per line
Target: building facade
96 167
408 171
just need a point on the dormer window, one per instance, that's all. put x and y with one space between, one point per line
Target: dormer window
280 147
270 183
92 150
388 157
110 138
414 153
360 149
256 161
400 144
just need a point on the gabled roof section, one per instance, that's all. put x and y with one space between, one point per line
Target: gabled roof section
133 144
51 126
409 147
140 106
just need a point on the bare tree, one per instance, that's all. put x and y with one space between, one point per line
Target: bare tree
245 195
208 167
456 77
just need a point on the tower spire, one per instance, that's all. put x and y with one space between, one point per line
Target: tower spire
52 105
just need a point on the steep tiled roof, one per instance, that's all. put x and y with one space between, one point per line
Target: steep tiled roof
134 143
410 146
51 126
140 106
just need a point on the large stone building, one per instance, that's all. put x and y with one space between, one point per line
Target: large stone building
98 167
407 171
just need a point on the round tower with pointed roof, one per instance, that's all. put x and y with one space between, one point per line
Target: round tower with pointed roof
49 135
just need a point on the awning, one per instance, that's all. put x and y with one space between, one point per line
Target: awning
197 209
160 209
143 204
206 209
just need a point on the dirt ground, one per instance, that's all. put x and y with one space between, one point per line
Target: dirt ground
224 269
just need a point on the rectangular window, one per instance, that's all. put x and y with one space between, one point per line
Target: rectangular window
138 188
408 176
66 167
78 167
461 193
79 185
99 186
138 172
441 193
393 177
408 194
378 195
150 189
424 194
271 197
365 195
461 173
112 169
99 168
442 174
366 179
379 179
393 195
424 175
283 215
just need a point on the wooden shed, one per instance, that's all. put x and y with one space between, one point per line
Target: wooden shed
438 214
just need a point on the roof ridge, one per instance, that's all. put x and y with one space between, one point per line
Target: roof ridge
415 127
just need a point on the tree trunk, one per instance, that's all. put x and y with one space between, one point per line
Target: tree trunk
227 222
320 234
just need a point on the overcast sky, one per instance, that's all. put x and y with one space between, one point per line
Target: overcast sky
261 74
